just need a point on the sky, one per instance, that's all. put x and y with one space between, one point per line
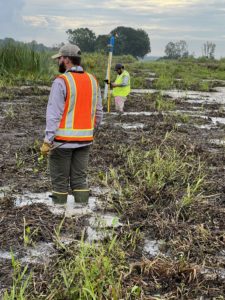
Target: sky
46 21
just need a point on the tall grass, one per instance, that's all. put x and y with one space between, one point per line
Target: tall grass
19 61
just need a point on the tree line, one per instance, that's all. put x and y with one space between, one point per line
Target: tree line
179 49
33 44
128 40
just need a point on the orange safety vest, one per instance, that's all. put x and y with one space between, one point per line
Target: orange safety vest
77 122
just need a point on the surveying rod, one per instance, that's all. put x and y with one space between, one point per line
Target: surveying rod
107 79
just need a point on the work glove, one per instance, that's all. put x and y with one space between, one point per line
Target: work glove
45 148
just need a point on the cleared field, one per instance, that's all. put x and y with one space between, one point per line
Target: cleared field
155 224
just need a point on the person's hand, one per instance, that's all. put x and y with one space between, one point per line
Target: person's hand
45 148
113 84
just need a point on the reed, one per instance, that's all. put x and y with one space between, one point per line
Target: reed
19 61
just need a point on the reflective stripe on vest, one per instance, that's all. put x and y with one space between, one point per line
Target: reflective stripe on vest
77 122
122 91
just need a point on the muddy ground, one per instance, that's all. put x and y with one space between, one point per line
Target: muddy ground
194 132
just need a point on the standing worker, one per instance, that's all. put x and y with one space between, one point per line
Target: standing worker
74 110
121 87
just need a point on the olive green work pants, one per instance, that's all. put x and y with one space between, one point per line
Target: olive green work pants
68 168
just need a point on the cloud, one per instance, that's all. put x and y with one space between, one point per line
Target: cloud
64 23
153 6
11 10
164 20
36 21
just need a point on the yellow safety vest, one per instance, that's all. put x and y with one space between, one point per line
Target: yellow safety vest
122 91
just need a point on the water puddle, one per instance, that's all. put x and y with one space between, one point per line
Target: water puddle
144 91
40 87
97 191
216 120
217 142
134 113
101 227
203 126
69 209
15 102
191 96
130 125
41 253
213 274
192 113
5 255
104 221
151 247
93 235
30 198
208 127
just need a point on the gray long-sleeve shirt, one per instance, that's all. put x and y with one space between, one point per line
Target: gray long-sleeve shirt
55 109
125 81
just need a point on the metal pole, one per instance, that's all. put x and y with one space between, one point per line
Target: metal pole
107 95
109 78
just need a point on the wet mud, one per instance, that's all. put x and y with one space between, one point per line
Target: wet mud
196 129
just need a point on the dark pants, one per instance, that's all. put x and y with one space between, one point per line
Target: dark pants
68 167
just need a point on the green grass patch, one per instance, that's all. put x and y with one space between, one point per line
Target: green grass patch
162 176
183 74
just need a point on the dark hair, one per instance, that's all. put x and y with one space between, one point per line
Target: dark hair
75 60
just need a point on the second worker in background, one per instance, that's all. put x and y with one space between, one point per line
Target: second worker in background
121 87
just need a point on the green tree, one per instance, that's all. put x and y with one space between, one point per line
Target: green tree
101 42
83 37
176 50
171 51
131 41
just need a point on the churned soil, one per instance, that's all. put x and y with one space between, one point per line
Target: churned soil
22 124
